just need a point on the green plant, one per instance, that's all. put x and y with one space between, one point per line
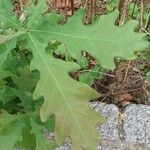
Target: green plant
148 75
112 5
36 91
148 78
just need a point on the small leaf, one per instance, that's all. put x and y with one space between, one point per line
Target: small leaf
35 12
83 62
86 78
148 75
50 124
25 80
6 94
26 100
14 62
10 128
7 16
28 139
6 48
4 74
41 142
4 38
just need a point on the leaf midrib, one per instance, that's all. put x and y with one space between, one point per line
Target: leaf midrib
82 37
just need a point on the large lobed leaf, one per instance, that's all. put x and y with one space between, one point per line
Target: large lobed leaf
64 97
103 39
10 130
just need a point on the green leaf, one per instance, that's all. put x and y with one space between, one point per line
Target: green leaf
4 74
86 78
41 142
25 80
134 7
49 124
28 139
6 94
64 97
8 20
14 62
35 13
26 98
8 42
7 16
6 48
148 75
111 5
4 38
102 39
25 86
22 130
83 62
10 131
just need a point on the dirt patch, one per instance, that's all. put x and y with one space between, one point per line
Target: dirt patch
125 84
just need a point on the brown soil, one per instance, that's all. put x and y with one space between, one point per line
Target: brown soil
125 84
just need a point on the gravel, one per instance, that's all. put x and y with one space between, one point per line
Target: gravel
137 124
66 146
108 130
